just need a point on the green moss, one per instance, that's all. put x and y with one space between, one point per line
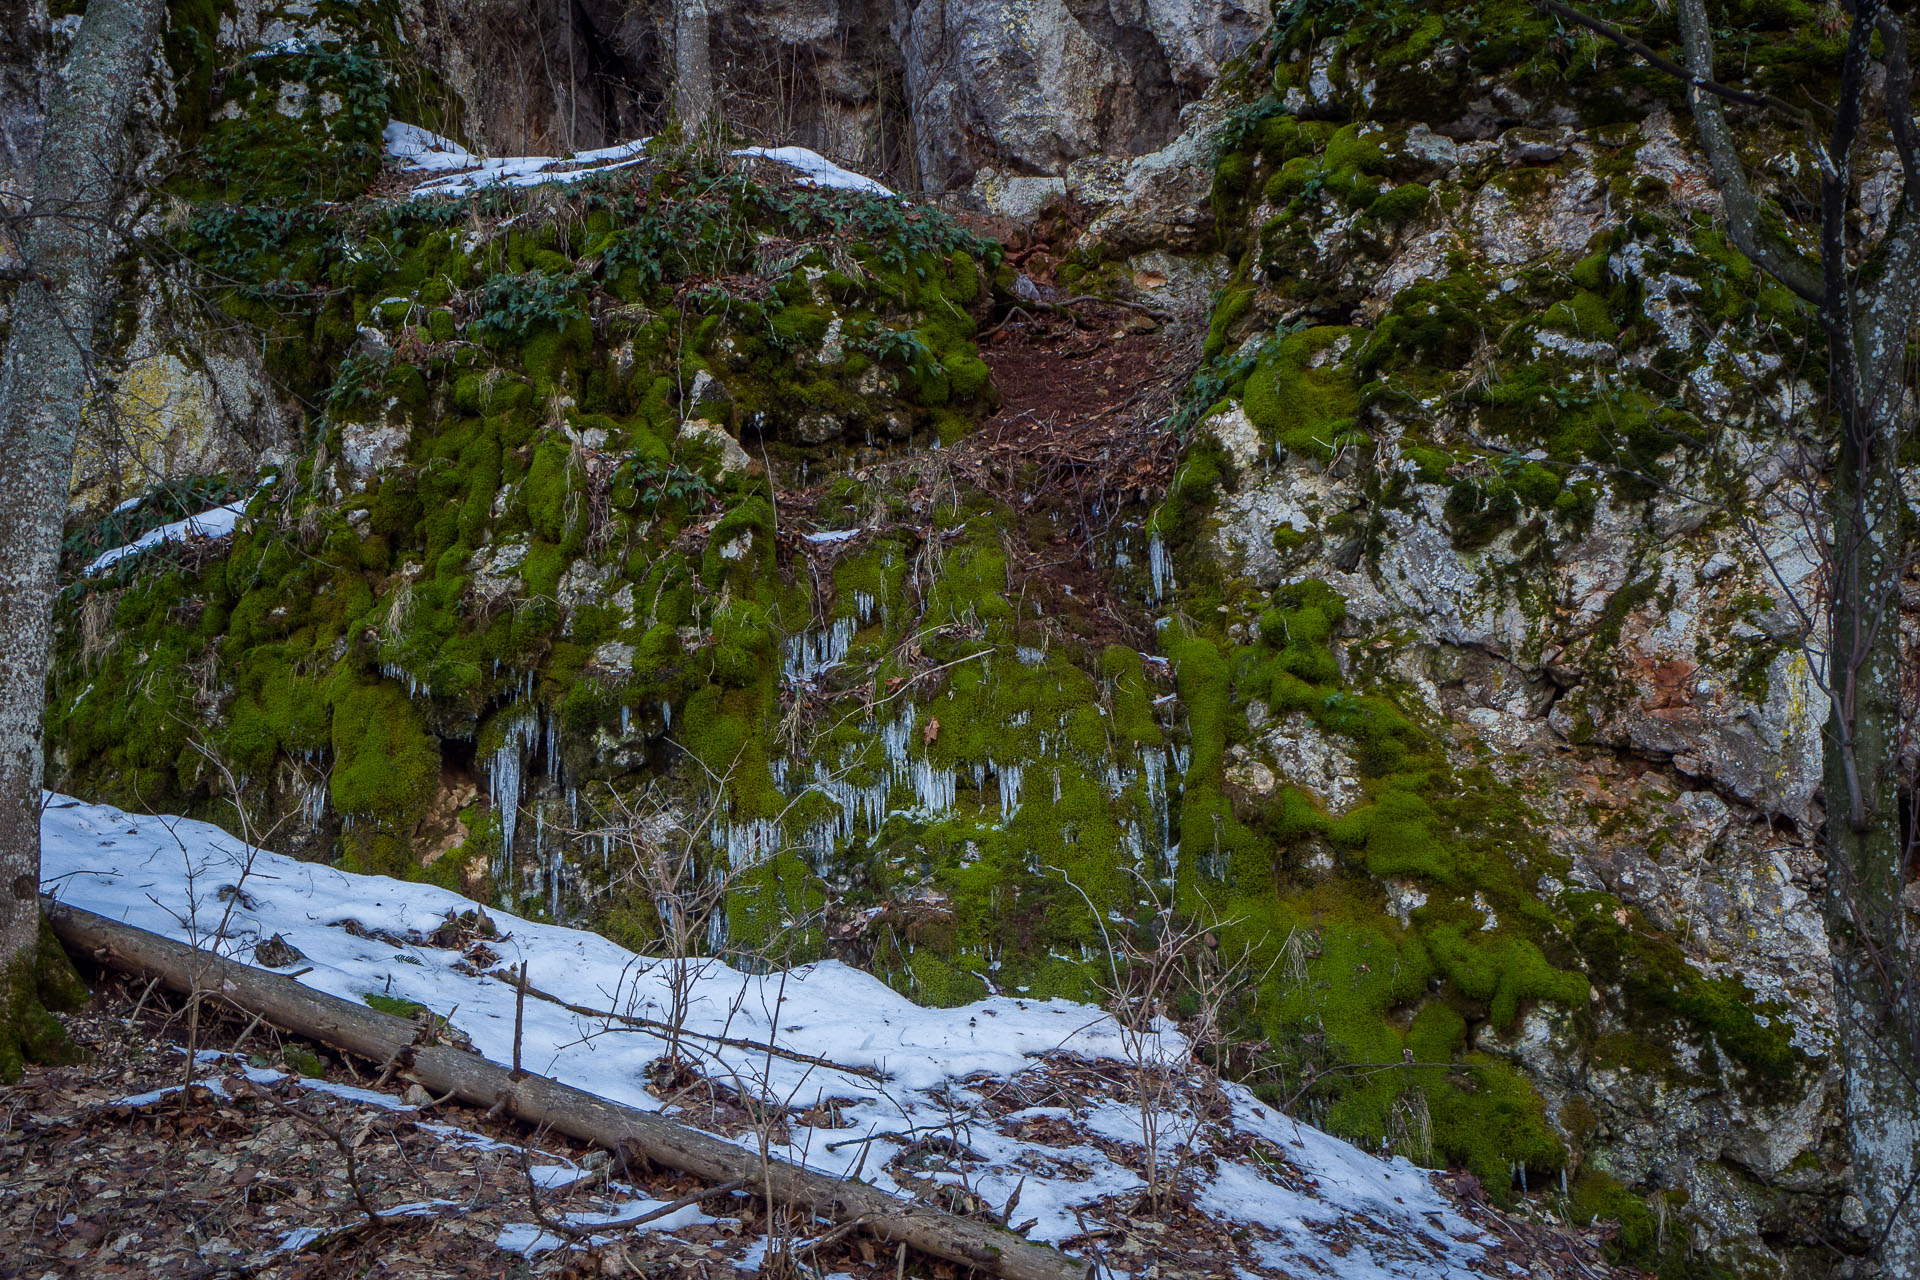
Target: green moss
1430 465
1133 717
1644 1236
386 768
967 375
33 986
1585 315
273 710
303 122
1501 971
939 984
304 1061
972 584
1591 272
1402 204
1310 410
796 326
1661 992
1613 615
1227 313
1353 157
394 1005
963 278
1478 512
1233 177
1396 836
547 489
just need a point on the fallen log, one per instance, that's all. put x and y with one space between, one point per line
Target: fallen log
548 1104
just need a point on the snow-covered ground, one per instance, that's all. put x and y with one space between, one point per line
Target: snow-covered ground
462 173
1306 1202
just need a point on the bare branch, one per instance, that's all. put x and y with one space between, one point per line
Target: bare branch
1899 90
1697 79
1770 250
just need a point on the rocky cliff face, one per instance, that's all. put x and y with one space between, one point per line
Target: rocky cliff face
1435 639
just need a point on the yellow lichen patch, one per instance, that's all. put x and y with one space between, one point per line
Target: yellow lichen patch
159 422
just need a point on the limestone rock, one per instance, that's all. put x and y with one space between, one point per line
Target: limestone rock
701 432
1031 88
180 408
1307 757
368 447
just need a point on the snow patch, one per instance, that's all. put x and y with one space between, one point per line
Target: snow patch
902 1071
217 523
816 170
418 150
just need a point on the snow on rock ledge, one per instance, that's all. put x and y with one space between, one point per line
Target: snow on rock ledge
217 523
418 151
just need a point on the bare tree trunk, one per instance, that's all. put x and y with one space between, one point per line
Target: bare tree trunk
67 246
693 102
1873 957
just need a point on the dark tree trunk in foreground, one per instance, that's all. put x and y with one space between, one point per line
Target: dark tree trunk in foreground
1866 300
64 251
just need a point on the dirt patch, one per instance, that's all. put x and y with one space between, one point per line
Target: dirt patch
1078 453
1080 450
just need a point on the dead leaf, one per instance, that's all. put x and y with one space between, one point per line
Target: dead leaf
931 732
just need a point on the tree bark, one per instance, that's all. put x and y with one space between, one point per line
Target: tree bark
693 100
1873 962
1876 984
548 1104
67 239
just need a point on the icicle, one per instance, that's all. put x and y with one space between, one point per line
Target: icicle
1009 776
1159 568
1153 770
504 779
934 787
894 740
552 863
750 841
316 804
812 653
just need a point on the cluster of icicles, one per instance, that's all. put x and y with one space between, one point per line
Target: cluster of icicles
865 792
